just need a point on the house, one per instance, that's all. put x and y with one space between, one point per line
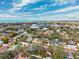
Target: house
21 30
19 56
3 49
32 48
44 29
48 58
43 25
24 43
77 44
36 57
72 48
34 26
70 56
1 42
53 41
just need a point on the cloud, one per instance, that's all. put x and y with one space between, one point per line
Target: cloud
53 15
9 16
60 14
60 11
67 9
61 1
18 6
23 3
62 17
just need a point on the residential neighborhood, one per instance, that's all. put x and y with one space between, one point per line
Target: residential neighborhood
49 40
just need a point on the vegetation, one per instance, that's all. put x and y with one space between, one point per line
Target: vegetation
8 54
55 42
5 39
13 34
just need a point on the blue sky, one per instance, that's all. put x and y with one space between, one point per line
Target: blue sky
39 10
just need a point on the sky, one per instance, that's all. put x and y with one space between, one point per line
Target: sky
39 10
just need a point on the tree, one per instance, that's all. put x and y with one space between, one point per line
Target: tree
23 38
13 34
58 52
8 54
50 37
24 51
5 39
17 41
75 55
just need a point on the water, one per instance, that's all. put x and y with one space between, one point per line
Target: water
12 21
19 21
